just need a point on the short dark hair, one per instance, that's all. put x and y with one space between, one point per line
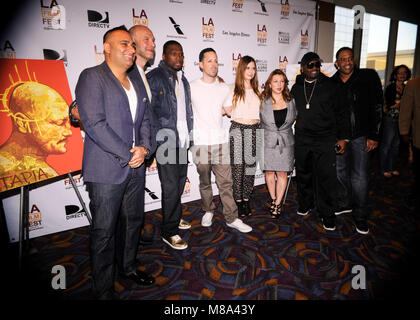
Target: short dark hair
121 27
203 52
343 49
169 43
393 76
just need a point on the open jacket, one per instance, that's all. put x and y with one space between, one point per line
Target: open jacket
273 136
105 112
363 97
164 104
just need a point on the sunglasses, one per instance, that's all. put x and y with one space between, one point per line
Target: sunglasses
313 64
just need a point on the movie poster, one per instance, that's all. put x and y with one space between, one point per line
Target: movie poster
37 141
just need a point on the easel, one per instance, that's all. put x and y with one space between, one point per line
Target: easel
23 221
24 217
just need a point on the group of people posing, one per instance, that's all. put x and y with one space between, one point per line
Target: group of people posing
130 116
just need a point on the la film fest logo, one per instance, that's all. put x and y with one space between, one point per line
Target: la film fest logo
208 29
140 18
237 5
7 50
152 169
187 188
304 39
261 35
53 15
235 62
98 55
283 61
285 9
50 54
35 218
284 37
97 19
78 180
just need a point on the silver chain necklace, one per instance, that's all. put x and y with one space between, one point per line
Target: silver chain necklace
312 92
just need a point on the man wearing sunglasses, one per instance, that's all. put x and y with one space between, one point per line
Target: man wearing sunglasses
321 130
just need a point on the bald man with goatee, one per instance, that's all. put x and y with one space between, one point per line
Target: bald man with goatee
113 107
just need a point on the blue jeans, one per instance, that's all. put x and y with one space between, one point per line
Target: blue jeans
117 219
352 173
390 144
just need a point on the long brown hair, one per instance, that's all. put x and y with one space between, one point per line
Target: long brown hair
267 93
239 91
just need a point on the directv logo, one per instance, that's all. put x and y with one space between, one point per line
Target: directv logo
50 54
73 211
97 20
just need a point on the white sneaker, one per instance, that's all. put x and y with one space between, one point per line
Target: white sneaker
239 225
302 213
343 210
206 220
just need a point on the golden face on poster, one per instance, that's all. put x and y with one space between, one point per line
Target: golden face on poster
40 127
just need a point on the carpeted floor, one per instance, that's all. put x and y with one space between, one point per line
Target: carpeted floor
289 258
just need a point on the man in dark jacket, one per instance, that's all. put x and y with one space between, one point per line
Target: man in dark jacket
172 123
362 92
320 131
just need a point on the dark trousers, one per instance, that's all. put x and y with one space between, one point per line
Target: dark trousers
117 219
353 175
316 175
416 186
172 178
390 144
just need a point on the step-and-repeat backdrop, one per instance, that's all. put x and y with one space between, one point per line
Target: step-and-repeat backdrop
275 33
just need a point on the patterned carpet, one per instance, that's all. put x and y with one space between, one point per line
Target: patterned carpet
291 258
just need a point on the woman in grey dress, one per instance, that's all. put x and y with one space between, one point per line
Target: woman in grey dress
277 116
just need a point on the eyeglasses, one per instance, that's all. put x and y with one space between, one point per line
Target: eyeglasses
313 64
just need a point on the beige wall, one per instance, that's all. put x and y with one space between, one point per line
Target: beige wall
326 40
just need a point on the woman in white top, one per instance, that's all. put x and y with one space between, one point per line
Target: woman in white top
245 114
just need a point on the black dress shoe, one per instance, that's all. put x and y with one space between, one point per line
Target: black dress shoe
108 295
146 239
140 277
